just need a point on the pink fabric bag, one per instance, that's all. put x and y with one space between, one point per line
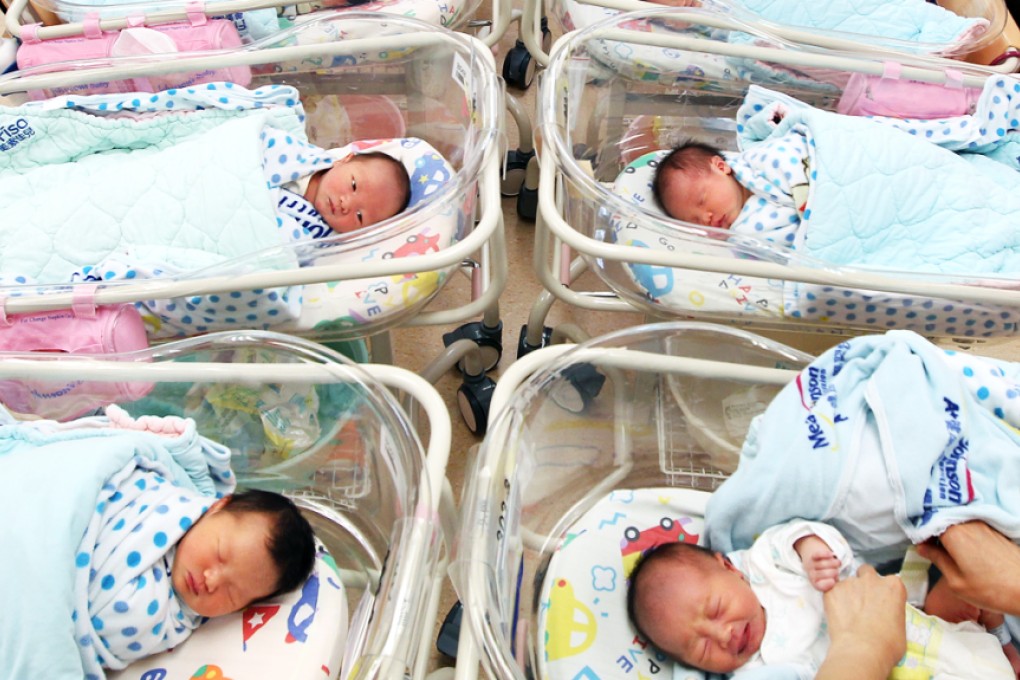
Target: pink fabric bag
200 34
887 95
85 329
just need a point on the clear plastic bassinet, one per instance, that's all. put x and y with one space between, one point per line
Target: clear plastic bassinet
253 19
603 105
981 38
661 406
303 421
359 75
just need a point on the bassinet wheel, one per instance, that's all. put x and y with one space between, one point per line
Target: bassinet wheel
527 204
473 399
525 347
488 338
516 168
518 67
576 392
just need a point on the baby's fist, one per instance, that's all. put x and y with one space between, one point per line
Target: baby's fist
820 564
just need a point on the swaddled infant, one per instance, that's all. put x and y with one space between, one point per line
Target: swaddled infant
701 184
322 192
160 558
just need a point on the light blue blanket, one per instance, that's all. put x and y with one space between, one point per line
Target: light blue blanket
103 197
891 194
887 432
77 189
910 21
51 476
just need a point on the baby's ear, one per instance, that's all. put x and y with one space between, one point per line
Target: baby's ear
726 563
219 504
719 163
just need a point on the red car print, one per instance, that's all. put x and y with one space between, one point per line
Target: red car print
635 543
417 244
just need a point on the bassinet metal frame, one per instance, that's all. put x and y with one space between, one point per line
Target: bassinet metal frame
555 238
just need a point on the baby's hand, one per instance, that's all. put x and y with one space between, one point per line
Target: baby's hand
821 565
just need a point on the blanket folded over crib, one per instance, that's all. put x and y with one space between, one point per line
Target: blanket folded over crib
889 438
58 483
186 205
909 21
890 193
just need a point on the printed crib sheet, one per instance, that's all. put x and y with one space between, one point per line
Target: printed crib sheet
583 606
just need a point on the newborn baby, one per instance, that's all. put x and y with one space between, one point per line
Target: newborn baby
763 607
703 185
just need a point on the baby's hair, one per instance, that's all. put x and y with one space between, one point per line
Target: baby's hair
291 541
688 554
689 155
404 180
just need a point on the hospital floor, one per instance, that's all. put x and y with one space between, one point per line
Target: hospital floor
414 347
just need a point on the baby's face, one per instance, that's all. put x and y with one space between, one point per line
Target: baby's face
711 198
223 563
709 617
356 192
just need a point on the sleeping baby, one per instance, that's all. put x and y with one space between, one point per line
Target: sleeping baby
762 608
701 184
167 558
118 531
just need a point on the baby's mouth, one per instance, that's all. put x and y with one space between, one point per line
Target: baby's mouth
192 586
744 640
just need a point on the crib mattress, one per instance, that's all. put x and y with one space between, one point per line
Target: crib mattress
583 617
297 635
689 292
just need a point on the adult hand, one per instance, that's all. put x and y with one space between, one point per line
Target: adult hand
979 564
866 615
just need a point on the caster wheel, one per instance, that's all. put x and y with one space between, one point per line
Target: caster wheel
577 389
527 204
516 169
518 67
449 632
522 342
488 339
473 399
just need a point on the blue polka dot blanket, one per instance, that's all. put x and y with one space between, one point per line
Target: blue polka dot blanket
908 195
887 437
91 512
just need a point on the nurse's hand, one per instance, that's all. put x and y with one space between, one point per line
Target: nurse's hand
979 565
866 615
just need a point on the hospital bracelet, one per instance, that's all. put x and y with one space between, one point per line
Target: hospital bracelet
1002 633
